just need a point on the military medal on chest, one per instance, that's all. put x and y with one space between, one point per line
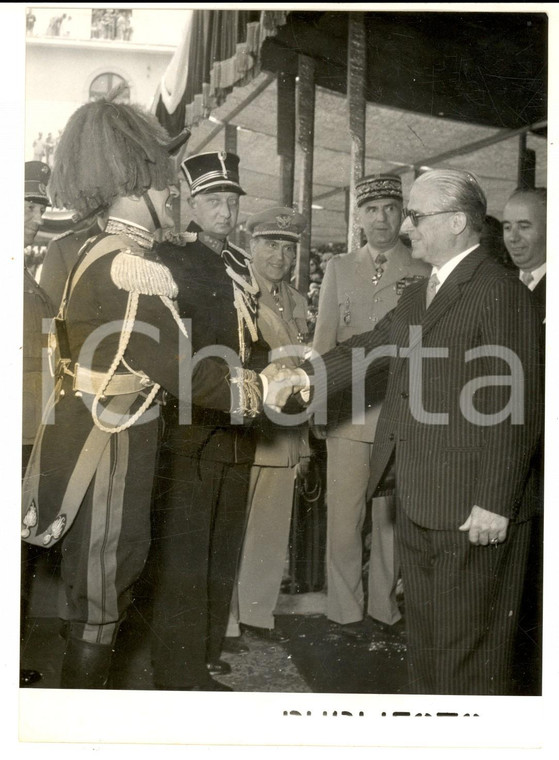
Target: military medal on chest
347 311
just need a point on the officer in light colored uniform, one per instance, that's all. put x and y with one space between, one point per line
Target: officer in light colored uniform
359 288
282 323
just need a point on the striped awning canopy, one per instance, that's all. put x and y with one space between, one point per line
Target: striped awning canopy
219 51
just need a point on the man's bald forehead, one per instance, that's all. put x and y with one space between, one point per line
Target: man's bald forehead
532 203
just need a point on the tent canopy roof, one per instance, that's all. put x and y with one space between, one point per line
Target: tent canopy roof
395 141
485 68
435 83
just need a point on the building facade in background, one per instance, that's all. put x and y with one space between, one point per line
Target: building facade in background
74 55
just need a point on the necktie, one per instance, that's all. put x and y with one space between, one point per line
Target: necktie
277 298
431 289
527 278
380 260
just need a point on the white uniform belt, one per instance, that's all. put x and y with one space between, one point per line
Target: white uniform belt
90 381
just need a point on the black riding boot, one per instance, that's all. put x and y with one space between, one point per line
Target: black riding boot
85 665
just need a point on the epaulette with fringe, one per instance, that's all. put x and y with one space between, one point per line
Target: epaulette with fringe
134 273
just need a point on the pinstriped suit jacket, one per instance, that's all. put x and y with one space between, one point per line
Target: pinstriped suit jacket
445 466
539 297
350 304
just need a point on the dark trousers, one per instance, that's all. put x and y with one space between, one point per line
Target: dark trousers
528 651
462 608
198 530
105 550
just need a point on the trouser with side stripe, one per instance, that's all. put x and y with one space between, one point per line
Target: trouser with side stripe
105 550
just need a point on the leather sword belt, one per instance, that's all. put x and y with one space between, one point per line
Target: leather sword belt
90 381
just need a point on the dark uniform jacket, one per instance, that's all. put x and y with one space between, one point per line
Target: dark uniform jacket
60 258
69 446
206 299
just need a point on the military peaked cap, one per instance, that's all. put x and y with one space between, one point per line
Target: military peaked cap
279 222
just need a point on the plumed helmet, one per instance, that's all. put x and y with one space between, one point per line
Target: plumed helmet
109 150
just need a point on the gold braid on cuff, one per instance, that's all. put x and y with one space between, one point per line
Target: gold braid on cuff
248 392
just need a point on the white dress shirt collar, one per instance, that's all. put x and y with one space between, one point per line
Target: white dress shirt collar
537 274
444 271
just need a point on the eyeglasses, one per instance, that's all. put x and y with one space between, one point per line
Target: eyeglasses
415 216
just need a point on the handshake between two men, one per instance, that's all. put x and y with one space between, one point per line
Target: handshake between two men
283 383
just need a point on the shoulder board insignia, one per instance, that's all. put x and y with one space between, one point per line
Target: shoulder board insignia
180 238
132 272
62 235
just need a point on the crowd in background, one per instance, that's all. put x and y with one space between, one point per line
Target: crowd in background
111 24
106 24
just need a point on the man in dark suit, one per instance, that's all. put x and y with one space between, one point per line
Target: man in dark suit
461 421
524 235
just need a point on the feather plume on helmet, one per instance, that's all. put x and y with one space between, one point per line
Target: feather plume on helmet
109 150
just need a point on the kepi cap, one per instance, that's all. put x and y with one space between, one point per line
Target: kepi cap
37 175
376 186
280 222
212 173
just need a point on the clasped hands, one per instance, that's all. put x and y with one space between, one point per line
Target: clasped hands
283 382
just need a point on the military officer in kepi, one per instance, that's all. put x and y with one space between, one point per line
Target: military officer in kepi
358 289
205 465
120 341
